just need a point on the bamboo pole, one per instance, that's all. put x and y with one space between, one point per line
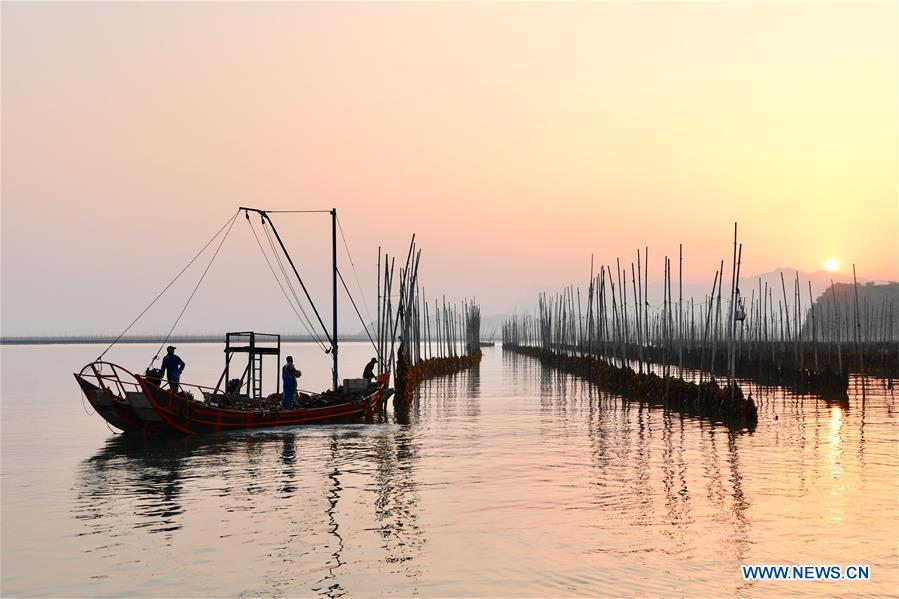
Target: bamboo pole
731 375
861 359
812 307
730 311
705 335
786 307
641 316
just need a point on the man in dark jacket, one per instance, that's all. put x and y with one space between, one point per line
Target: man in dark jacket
172 366
369 372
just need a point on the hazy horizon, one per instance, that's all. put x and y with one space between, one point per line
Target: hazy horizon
491 321
515 141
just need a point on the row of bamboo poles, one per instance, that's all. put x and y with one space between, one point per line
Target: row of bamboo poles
708 400
415 341
812 349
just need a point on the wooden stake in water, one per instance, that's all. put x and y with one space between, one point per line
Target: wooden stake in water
861 359
680 313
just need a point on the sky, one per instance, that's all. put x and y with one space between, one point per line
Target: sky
514 140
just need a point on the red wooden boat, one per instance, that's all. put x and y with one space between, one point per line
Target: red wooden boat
144 404
147 404
180 414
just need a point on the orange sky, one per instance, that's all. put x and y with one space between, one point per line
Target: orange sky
514 139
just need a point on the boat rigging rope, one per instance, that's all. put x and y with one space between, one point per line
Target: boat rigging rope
359 315
267 219
309 330
298 212
84 407
172 282
290 286
197 286
355 274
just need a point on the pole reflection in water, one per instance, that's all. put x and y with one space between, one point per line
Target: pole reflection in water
396 504
252 499
741 524
323 588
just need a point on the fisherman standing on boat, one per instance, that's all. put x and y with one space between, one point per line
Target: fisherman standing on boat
172 365
289 376
369 372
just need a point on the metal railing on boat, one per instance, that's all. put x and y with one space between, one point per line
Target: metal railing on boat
215 397
121 381
111 380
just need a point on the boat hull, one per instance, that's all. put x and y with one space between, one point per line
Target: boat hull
172 413
114 409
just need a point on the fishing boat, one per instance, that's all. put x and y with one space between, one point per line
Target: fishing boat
135 403
147 404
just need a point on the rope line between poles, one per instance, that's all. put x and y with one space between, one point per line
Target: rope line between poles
355 274
197 286
172 282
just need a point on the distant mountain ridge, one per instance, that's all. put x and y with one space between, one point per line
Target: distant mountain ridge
872 304
820 281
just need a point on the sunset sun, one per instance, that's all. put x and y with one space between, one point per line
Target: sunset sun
831 264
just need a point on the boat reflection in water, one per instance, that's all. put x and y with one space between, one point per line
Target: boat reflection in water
278 504
127 477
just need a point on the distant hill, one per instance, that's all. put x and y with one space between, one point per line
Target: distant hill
834 313
820 280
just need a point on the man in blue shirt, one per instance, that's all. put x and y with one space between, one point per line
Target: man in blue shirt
172 365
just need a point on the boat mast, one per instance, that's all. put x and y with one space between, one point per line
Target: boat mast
334 290
333 337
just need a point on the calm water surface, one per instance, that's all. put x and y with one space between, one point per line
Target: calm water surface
509 480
